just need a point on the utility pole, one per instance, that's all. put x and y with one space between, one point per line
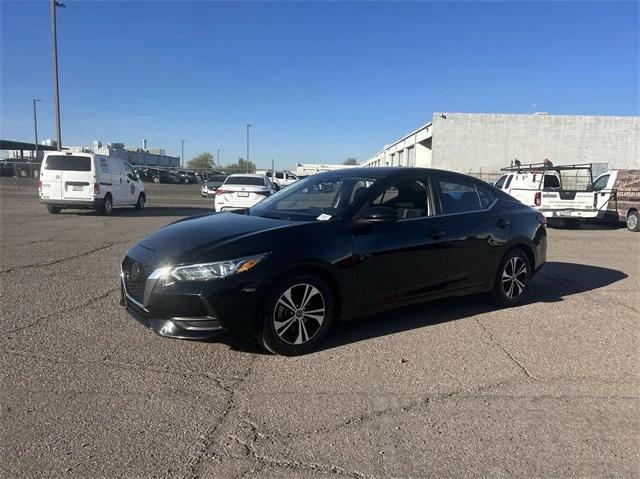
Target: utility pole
35 127
248 126
54 53
182 153
218 155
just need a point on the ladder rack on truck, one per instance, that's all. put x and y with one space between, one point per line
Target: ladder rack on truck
541 186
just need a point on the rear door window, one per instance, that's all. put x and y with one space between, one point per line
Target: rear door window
458 197
508 183
68 163
551 181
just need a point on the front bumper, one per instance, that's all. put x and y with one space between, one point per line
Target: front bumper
194 310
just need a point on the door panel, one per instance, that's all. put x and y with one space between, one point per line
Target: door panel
398 261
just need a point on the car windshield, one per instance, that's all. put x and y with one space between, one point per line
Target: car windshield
314 198
245 180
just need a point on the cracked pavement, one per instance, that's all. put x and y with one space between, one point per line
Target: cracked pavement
451 388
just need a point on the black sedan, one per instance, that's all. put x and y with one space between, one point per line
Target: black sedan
333 246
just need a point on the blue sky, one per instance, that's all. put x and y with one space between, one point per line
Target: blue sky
318 80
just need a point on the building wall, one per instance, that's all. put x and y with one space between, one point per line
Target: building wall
413 149
477 142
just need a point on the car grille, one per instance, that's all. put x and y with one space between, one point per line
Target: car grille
135 277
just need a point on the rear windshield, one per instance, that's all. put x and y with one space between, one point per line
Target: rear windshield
68 163
216 179
245 180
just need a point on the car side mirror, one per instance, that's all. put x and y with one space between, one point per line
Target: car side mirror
380 214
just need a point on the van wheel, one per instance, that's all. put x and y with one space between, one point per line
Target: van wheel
298 314
512 279
633 221
54 210
571 224
156 179
107 205
140 203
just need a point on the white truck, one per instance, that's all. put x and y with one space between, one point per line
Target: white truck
562 193
88 181
280 179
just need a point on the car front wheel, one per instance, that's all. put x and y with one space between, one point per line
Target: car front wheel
512 279
298 315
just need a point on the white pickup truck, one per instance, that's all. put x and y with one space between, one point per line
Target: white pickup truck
559 192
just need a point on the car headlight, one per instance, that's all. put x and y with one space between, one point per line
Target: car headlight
207 271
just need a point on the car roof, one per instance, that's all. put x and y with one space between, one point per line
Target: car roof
379 172
245 174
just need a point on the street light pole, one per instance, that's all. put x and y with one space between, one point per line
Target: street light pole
35 127
218 154
248 125
54 53
182 153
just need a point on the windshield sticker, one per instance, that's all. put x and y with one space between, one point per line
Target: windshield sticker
323 217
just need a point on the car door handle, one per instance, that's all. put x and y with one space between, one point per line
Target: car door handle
502 223
435 233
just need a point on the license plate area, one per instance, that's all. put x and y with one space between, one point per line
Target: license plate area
243 195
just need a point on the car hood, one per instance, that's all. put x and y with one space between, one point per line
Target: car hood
208 231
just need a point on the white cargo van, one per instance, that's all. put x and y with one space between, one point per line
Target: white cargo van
88 181
618 197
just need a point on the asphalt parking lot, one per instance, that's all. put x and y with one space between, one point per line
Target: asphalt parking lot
452 388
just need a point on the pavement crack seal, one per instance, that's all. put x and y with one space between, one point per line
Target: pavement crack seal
207 440
61 260
89 302
504 350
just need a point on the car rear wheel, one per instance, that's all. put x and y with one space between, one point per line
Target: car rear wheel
298 315
107 205
633 221
54 210
512 279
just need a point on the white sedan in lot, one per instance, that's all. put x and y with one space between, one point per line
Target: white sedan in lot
242 191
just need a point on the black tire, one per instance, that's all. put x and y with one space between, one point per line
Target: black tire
296 332
633 221
502 286
53 209
156 179
107 205
140 202
571 224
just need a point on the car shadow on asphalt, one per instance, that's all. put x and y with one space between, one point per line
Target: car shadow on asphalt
555 282
147 212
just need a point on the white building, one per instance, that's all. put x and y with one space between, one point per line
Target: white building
306 169
486 142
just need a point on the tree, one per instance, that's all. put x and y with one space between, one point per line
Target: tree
203 161
350 161
241 166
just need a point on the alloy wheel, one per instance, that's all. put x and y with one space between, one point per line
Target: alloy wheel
514 277
632 222
299 314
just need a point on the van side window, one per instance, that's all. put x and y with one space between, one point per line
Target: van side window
601 183
458 197
280 175
500 183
